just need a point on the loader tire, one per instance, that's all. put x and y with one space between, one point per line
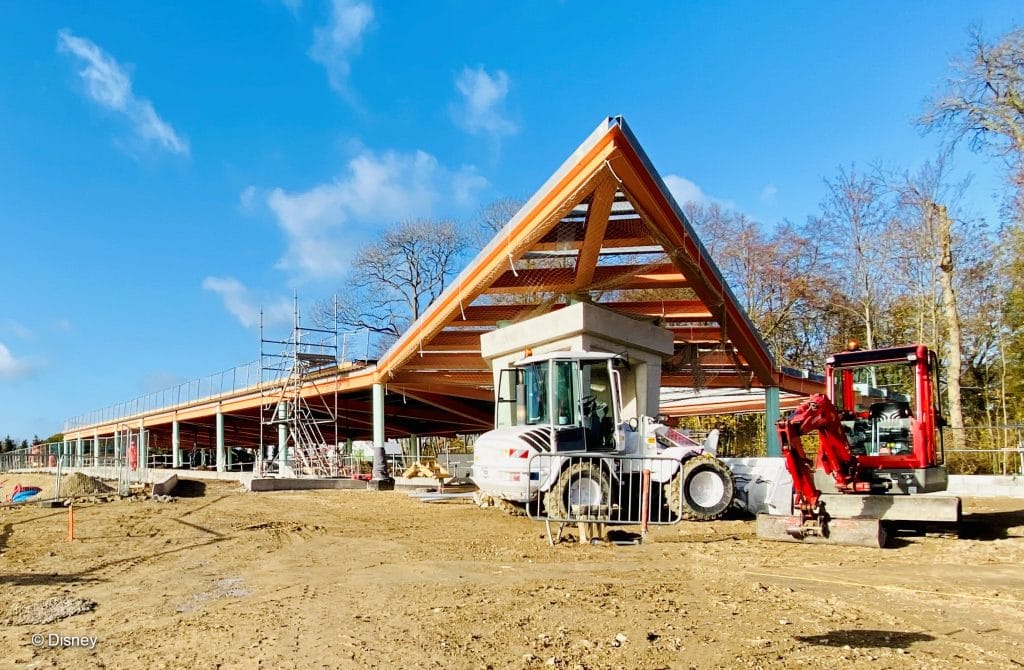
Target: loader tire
702 490
579 484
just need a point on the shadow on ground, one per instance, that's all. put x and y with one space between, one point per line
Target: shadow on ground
189 488
992 525
865 638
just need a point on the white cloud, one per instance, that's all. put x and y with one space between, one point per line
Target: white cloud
336 43
11 367
684 191
63 325
239 301
483 102
769 192
247 199
376 189
109 86
17 329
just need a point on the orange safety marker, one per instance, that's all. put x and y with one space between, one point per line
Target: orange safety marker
71 522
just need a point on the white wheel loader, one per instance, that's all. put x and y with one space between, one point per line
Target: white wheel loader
570 429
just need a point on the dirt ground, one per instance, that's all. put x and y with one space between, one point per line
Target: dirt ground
353 579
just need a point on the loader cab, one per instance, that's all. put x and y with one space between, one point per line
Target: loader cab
577 394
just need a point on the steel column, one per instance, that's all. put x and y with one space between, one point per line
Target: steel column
771 415
282 447
175 444
221 460
143 447
380 465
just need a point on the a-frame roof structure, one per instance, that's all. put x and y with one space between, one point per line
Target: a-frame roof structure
604 228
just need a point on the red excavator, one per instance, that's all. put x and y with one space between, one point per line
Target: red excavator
879 446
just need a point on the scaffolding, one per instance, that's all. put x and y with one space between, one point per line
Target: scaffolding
306 424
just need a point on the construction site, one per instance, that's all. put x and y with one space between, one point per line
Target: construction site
508 484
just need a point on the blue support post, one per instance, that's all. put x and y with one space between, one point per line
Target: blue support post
772 413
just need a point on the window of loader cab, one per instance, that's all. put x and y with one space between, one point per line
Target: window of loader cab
565 394
535 378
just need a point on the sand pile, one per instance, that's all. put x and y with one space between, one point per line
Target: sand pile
82 485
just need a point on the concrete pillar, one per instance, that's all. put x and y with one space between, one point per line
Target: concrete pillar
79 452
96 448
143 446
175 444
414 444
117 447
772 414
221 460
380 465
282 446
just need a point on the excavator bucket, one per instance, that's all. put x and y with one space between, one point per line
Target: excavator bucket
854 532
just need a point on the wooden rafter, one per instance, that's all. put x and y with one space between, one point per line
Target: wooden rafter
622 277
597 223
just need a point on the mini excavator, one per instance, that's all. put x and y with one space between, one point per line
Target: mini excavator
879 449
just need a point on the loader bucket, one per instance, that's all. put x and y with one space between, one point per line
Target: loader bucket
855 532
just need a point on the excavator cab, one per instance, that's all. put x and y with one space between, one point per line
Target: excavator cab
890 407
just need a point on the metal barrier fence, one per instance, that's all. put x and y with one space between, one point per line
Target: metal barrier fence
995 450
124 468
594 490
125 447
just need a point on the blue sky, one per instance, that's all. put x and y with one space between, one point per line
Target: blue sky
168 168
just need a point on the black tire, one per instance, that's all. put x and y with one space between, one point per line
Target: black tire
700 476
557 503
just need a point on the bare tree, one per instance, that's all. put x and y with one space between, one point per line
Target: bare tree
775 276
930 234
855 228
393 279
491 218
983 102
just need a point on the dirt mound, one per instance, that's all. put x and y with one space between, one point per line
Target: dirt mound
82 485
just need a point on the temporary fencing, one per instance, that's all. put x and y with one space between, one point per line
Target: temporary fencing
594 490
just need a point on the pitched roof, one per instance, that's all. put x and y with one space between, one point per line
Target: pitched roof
604 228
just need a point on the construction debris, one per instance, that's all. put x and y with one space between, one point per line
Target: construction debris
429 468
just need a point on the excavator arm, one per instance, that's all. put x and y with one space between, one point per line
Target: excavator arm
816 414
812 522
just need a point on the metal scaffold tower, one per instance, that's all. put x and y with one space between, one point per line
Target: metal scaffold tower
306 424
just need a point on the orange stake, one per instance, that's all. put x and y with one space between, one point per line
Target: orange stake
71 522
